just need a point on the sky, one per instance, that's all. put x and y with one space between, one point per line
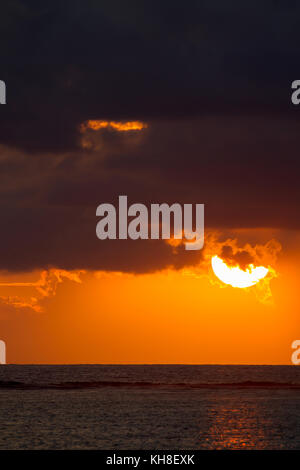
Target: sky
162 102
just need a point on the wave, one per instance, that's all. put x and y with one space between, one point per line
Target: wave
15 385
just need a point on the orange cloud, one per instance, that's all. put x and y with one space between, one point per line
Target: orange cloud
17 302
46 286
96 125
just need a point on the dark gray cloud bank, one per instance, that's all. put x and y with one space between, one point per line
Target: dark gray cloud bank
212 81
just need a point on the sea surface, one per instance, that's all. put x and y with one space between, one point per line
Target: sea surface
149 407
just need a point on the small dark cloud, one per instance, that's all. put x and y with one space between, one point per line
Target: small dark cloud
242 258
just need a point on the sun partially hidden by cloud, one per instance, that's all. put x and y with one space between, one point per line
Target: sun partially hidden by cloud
228 264
236 276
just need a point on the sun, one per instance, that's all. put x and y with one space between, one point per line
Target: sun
235 276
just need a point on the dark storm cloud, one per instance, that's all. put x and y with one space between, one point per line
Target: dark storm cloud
245 170
211 79
65 237
65 62
49 200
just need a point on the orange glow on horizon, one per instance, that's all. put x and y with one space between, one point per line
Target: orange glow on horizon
173 316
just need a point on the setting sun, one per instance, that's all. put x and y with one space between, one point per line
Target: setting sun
235 276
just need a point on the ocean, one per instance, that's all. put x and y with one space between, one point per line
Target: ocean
116 407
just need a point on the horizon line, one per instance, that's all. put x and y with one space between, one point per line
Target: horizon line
139 364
